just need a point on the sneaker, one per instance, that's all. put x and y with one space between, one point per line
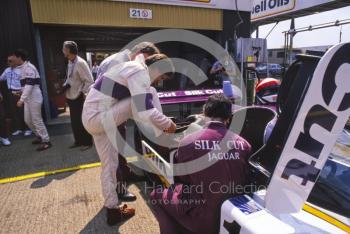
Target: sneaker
118 215
5 141
27 133
16 133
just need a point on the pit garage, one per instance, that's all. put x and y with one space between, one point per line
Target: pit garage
104 27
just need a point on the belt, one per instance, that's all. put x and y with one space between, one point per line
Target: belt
30 81
111 88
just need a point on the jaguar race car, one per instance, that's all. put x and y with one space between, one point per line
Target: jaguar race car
301 171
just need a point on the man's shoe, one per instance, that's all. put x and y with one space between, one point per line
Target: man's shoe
5 141
85 148
127 196
27 133
118 215
44 146
16 133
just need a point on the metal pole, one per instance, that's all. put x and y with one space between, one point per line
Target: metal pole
292 29
286 39
271 30
41 64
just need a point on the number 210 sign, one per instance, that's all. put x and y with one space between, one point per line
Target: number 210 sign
140 13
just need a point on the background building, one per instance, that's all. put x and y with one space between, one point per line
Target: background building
277 55
103 27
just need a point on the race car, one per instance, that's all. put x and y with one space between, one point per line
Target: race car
303 168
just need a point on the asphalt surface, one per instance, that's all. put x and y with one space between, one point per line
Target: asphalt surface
63 203
22 158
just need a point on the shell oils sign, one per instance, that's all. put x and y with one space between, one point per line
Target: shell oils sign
264 8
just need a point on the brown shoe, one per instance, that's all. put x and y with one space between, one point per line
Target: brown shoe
121 214
44 146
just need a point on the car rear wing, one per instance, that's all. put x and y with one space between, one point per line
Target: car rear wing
186 96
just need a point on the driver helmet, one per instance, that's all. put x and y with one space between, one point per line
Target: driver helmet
267 91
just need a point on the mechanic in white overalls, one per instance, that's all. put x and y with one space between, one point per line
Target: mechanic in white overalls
122 93
124 173
32 99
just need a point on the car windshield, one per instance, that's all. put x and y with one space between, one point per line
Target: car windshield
261 67
332 189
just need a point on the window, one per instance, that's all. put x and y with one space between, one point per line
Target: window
280 54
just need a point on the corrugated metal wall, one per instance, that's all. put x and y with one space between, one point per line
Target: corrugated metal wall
116 14
15 29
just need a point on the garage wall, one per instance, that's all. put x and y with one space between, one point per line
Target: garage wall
116 14
15 30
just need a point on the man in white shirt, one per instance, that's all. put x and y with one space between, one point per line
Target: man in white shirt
3 131
32 99
14 115
79 80
119 94
94 70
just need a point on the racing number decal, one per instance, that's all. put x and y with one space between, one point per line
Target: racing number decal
312 147
321 117
329 87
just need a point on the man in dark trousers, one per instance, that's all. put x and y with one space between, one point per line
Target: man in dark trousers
3 130
79 80
193 204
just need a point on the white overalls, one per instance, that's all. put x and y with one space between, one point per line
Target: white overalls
33 100
121 93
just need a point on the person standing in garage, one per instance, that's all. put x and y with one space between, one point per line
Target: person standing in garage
14 115
124 173
3 133
130 97
79 80
32 99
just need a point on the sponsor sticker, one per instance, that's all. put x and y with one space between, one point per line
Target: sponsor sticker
245 204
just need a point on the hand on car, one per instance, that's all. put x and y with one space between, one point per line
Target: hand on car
171 129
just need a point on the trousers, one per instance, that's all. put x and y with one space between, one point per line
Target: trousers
104 124
34 119
103 135
81 136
